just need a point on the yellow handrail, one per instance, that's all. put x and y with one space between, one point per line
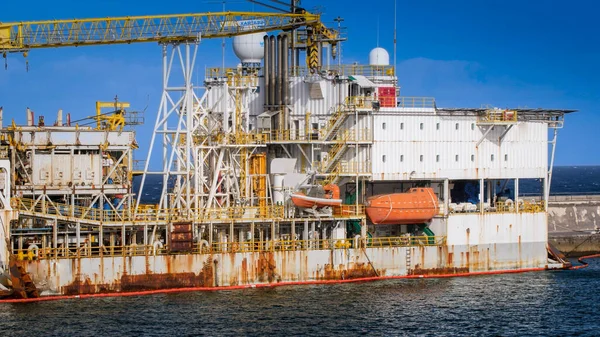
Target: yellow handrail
87 250
348 69
416 102
151 213
498 116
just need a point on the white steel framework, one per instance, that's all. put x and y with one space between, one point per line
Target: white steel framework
205 149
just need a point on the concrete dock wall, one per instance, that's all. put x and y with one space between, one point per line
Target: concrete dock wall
574 223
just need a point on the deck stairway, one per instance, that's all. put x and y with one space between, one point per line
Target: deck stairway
335 122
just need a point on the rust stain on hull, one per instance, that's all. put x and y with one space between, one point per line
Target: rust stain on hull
359 270
147 281
266 267
160 281
439 271
86 287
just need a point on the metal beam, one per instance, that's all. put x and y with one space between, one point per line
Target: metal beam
505 132
484 135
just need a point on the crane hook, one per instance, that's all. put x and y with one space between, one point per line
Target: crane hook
26 61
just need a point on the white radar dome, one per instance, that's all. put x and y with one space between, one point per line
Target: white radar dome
379 57
249 48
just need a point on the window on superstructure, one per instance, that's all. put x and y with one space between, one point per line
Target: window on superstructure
472 157
421 126
456 126
437 157
472 126
401 157
437 126
456 158
505 157
421 157
401 126
492 157
383 158
383 126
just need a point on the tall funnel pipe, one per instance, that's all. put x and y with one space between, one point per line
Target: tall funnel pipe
285 90
266 69
286 72
272 71
29 117
279 71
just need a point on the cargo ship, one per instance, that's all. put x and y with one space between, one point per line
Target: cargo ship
274 173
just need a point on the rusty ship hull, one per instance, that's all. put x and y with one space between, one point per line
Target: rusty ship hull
513 250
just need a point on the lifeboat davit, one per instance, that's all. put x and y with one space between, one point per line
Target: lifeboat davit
418 205
331 198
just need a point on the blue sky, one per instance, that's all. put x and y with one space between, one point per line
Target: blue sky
532 53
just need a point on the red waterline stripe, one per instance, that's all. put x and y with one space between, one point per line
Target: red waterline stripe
267 285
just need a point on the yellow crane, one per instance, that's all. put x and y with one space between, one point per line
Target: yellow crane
181 34
24 36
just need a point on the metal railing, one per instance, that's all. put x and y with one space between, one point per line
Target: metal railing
288 135
234 79
80 212
523 207
346 70
354 167
360 102
151 213
347 135
86 250
416 102
4 151
498 116
359 135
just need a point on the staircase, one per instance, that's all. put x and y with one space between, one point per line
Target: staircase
336 132
332 177
334 124
335 121
335 154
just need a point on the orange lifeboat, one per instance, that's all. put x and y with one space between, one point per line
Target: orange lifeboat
331 198
418 205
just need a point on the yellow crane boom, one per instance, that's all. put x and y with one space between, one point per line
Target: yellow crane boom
23 36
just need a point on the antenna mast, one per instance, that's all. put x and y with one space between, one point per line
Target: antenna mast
395 10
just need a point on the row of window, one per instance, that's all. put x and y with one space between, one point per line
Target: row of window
437 158
422 126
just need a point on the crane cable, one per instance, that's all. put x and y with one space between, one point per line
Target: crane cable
582 242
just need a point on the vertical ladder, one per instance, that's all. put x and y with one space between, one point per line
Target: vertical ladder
408 259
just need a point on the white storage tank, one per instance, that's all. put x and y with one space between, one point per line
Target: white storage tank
278 194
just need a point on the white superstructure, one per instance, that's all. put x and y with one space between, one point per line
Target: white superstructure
236 153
